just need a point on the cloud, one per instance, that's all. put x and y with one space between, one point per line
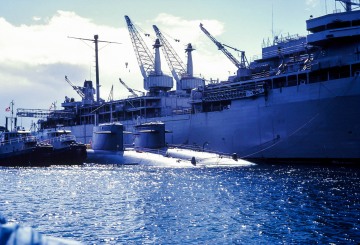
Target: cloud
36 18
36 57
312 3
208 60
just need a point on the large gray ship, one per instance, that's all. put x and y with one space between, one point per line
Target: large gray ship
299 102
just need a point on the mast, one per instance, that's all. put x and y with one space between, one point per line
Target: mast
183 74
97 68
96 41
12 115
157 69
189 65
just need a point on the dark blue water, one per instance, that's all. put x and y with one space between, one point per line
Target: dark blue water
150 205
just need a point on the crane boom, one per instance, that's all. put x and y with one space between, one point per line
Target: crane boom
76 88
348 4
244 62
221 47
177 67
127 87
144 56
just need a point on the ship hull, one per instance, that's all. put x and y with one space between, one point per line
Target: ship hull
69 155
31 157
318 122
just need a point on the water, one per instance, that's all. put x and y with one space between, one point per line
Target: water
263 204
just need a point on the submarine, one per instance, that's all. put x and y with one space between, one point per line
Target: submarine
149 148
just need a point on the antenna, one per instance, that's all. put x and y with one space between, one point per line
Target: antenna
12 114
96 41
272 21
326 7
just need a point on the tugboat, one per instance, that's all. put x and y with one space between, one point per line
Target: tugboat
18 148
66 150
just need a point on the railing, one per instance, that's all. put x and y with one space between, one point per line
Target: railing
160 151
43 113
181 111
163 151
61 138
67 138
259 75
239 92
27 139
201 149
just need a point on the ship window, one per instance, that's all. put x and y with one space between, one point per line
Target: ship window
356 23
267 84
338 24
279 82
356 68
317 29
318 76
340 72
292 81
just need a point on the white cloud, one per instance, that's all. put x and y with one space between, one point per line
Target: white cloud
208 60
312 3
36 18
38 56
35 58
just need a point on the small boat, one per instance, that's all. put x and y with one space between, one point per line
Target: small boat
19 148
66 150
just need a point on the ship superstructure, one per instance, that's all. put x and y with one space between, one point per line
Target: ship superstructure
183 75
298 102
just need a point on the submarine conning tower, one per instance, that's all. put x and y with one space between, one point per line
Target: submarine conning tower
108 137
150 135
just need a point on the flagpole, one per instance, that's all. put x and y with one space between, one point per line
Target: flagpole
12 113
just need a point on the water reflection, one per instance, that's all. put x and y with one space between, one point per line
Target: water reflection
122 204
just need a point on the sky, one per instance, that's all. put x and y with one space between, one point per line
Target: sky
36 52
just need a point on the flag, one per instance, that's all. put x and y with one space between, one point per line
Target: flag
7 109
